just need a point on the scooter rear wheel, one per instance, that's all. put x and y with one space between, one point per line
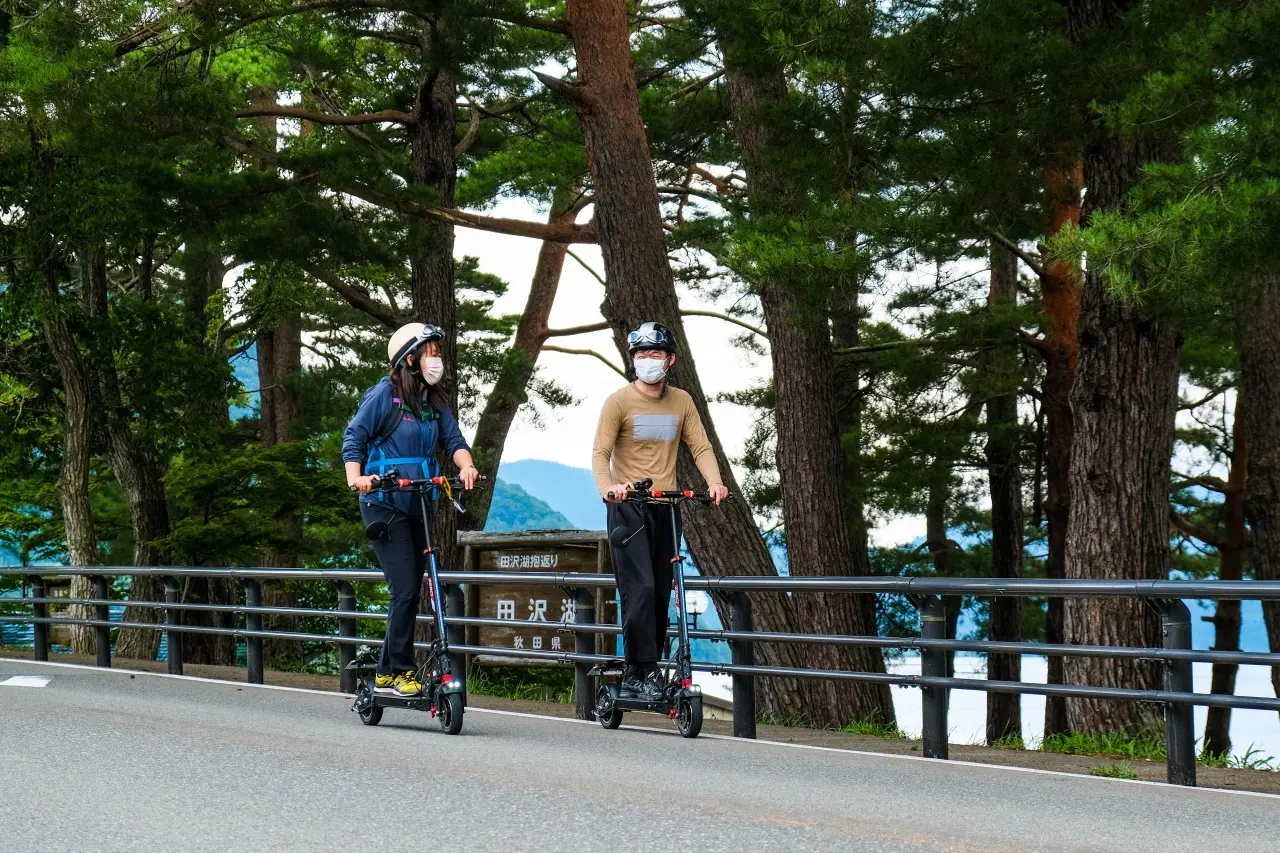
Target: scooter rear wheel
607 711
449 712
689 716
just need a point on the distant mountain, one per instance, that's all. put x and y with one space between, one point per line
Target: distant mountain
515 509
571 491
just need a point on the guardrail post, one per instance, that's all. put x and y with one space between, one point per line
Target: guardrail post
253 622
40 630
102 613
1179 718
743 654
346 628
584 643
173 616
455 605
933 663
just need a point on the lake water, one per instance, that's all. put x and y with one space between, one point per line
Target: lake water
967 718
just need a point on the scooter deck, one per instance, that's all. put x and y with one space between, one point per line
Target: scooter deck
661 706
416 703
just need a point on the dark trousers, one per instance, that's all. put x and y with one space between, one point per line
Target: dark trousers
644 572
401 555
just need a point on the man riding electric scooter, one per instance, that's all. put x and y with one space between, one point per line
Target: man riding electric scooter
638 438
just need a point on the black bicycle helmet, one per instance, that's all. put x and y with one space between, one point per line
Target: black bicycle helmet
651 336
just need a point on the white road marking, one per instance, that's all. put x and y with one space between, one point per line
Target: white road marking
25 681
742 741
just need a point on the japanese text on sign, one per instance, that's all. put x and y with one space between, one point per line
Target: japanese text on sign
528 561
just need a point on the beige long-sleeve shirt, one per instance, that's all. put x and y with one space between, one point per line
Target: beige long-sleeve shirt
639 436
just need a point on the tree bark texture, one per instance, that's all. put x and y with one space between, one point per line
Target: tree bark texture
1004 711
1124 399
640 287
809 455
1231 559
1060 290
511 389
1258 342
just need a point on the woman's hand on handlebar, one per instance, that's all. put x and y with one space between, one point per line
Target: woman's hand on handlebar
469 475
364 484
718 493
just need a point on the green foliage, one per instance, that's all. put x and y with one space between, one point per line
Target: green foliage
874 728
515 509
1113 771
1142 747
533 684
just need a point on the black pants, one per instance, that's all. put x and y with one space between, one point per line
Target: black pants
644 572
400 553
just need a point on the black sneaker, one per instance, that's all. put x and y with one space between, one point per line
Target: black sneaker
632 683
654 685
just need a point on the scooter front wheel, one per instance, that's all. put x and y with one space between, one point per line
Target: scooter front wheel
449 712
689 716
371 716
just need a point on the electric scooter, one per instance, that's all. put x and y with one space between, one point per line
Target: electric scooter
442 693
681 698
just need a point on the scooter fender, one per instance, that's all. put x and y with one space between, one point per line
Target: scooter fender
454 686
690 692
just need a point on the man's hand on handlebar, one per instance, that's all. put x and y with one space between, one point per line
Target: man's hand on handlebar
617 492
364 484
718 493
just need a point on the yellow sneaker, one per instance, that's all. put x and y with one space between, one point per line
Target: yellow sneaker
384 683
407 684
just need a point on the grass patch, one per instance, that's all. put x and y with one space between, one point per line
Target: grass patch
1112 771
531 684
1148 747
1253 759
794 721
874 727
1010 741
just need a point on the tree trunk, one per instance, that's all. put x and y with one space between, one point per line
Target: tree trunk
1004 711
135 469
1258 342
810 459
432 164
1231 556
279 363
942 549
511 390
73 476
1060 288
640 287
1124 400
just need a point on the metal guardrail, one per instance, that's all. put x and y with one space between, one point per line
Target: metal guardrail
1176 655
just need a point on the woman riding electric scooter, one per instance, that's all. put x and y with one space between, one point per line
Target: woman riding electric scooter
401 424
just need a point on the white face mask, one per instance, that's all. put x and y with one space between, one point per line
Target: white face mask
432 369
651 371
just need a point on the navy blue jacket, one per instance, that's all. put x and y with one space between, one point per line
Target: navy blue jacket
410 448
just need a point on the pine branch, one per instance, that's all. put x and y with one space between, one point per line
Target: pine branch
1035 264
1189 528
692 312
381 117
590 352
696 85
586 266
576 330
356 298
473 128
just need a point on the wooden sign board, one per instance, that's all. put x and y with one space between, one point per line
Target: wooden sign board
540 551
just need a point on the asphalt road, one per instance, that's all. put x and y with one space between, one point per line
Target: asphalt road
99 761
